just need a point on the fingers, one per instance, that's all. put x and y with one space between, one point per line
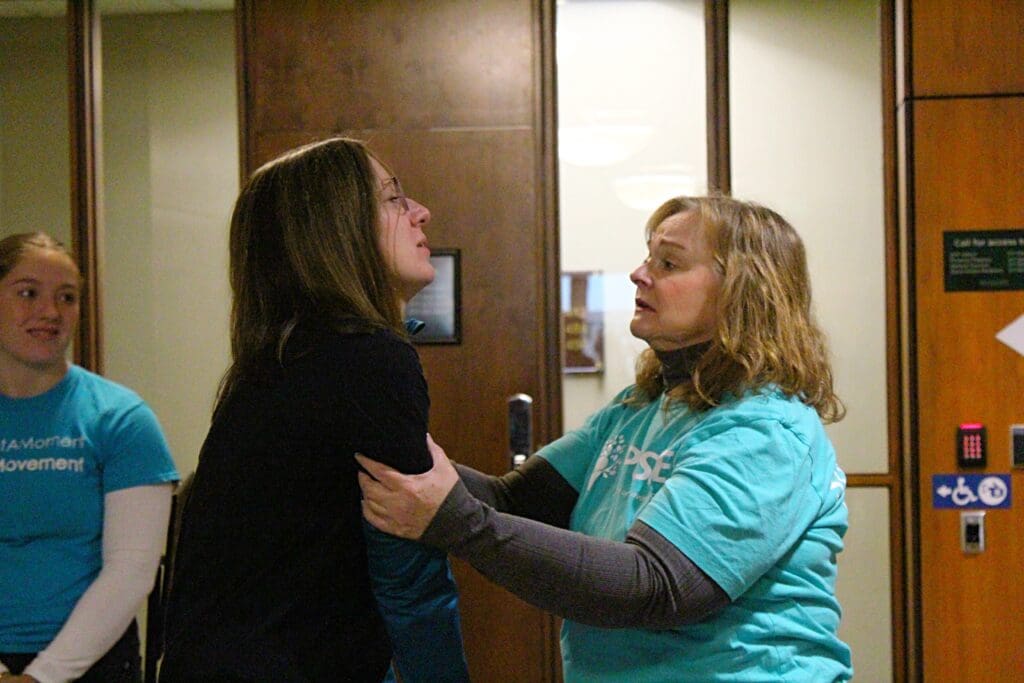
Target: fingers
377 516
373 518
434 448
371 487
374 507
375 468
435 451
403 505
374 510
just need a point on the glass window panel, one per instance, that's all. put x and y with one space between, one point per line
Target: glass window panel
864 587
631 110
170 176
806 128
35 191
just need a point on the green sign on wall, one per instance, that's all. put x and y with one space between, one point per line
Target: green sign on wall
983 260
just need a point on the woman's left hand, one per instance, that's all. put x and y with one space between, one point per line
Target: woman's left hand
403 505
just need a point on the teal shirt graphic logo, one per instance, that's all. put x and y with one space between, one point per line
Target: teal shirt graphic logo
608 462
41 464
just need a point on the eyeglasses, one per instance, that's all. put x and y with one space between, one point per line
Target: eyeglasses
396 195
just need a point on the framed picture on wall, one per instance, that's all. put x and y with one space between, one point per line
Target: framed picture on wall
439 304
582 322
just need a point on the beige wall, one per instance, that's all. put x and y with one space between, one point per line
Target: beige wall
170 169
806 127
34 165
806 131
170 158
623 150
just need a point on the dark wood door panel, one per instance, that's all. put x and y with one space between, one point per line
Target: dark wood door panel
967 162
381 64
514 643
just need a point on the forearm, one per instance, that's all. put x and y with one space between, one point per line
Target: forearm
134 533
534 490
418 600
483 487
644 582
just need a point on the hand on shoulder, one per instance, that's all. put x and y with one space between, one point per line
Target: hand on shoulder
404 504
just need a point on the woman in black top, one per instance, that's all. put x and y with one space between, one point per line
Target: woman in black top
275 577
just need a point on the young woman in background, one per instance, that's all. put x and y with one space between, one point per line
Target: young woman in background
85 485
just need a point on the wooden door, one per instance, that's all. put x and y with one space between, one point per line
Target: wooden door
963 113
456 96
967 178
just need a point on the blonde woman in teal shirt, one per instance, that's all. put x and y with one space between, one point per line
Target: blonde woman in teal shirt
689 530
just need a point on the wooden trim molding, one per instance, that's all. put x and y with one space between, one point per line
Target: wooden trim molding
84 116
546 139
894 322
907 643
243 16
545 123
716 46
871 480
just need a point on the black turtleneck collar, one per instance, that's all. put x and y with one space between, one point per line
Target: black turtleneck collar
677 365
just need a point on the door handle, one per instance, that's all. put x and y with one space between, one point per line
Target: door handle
520 428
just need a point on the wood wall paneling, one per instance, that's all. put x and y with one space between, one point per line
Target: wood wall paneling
390 65
716 36
974 47
968 156
910 600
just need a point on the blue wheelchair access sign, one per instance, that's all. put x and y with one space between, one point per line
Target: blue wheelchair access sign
971 490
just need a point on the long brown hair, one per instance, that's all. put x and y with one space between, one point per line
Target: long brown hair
766 332
304 245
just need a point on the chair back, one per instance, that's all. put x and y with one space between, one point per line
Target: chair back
156 605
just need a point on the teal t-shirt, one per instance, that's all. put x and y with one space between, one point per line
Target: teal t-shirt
60 453
751 493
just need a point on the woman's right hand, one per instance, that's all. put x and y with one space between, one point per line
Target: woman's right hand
403 505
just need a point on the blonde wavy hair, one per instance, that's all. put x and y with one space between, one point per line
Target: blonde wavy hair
766 333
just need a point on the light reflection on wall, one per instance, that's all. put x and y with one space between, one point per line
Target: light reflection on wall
631 135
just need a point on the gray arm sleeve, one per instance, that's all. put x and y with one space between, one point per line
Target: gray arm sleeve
534 490
644 582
